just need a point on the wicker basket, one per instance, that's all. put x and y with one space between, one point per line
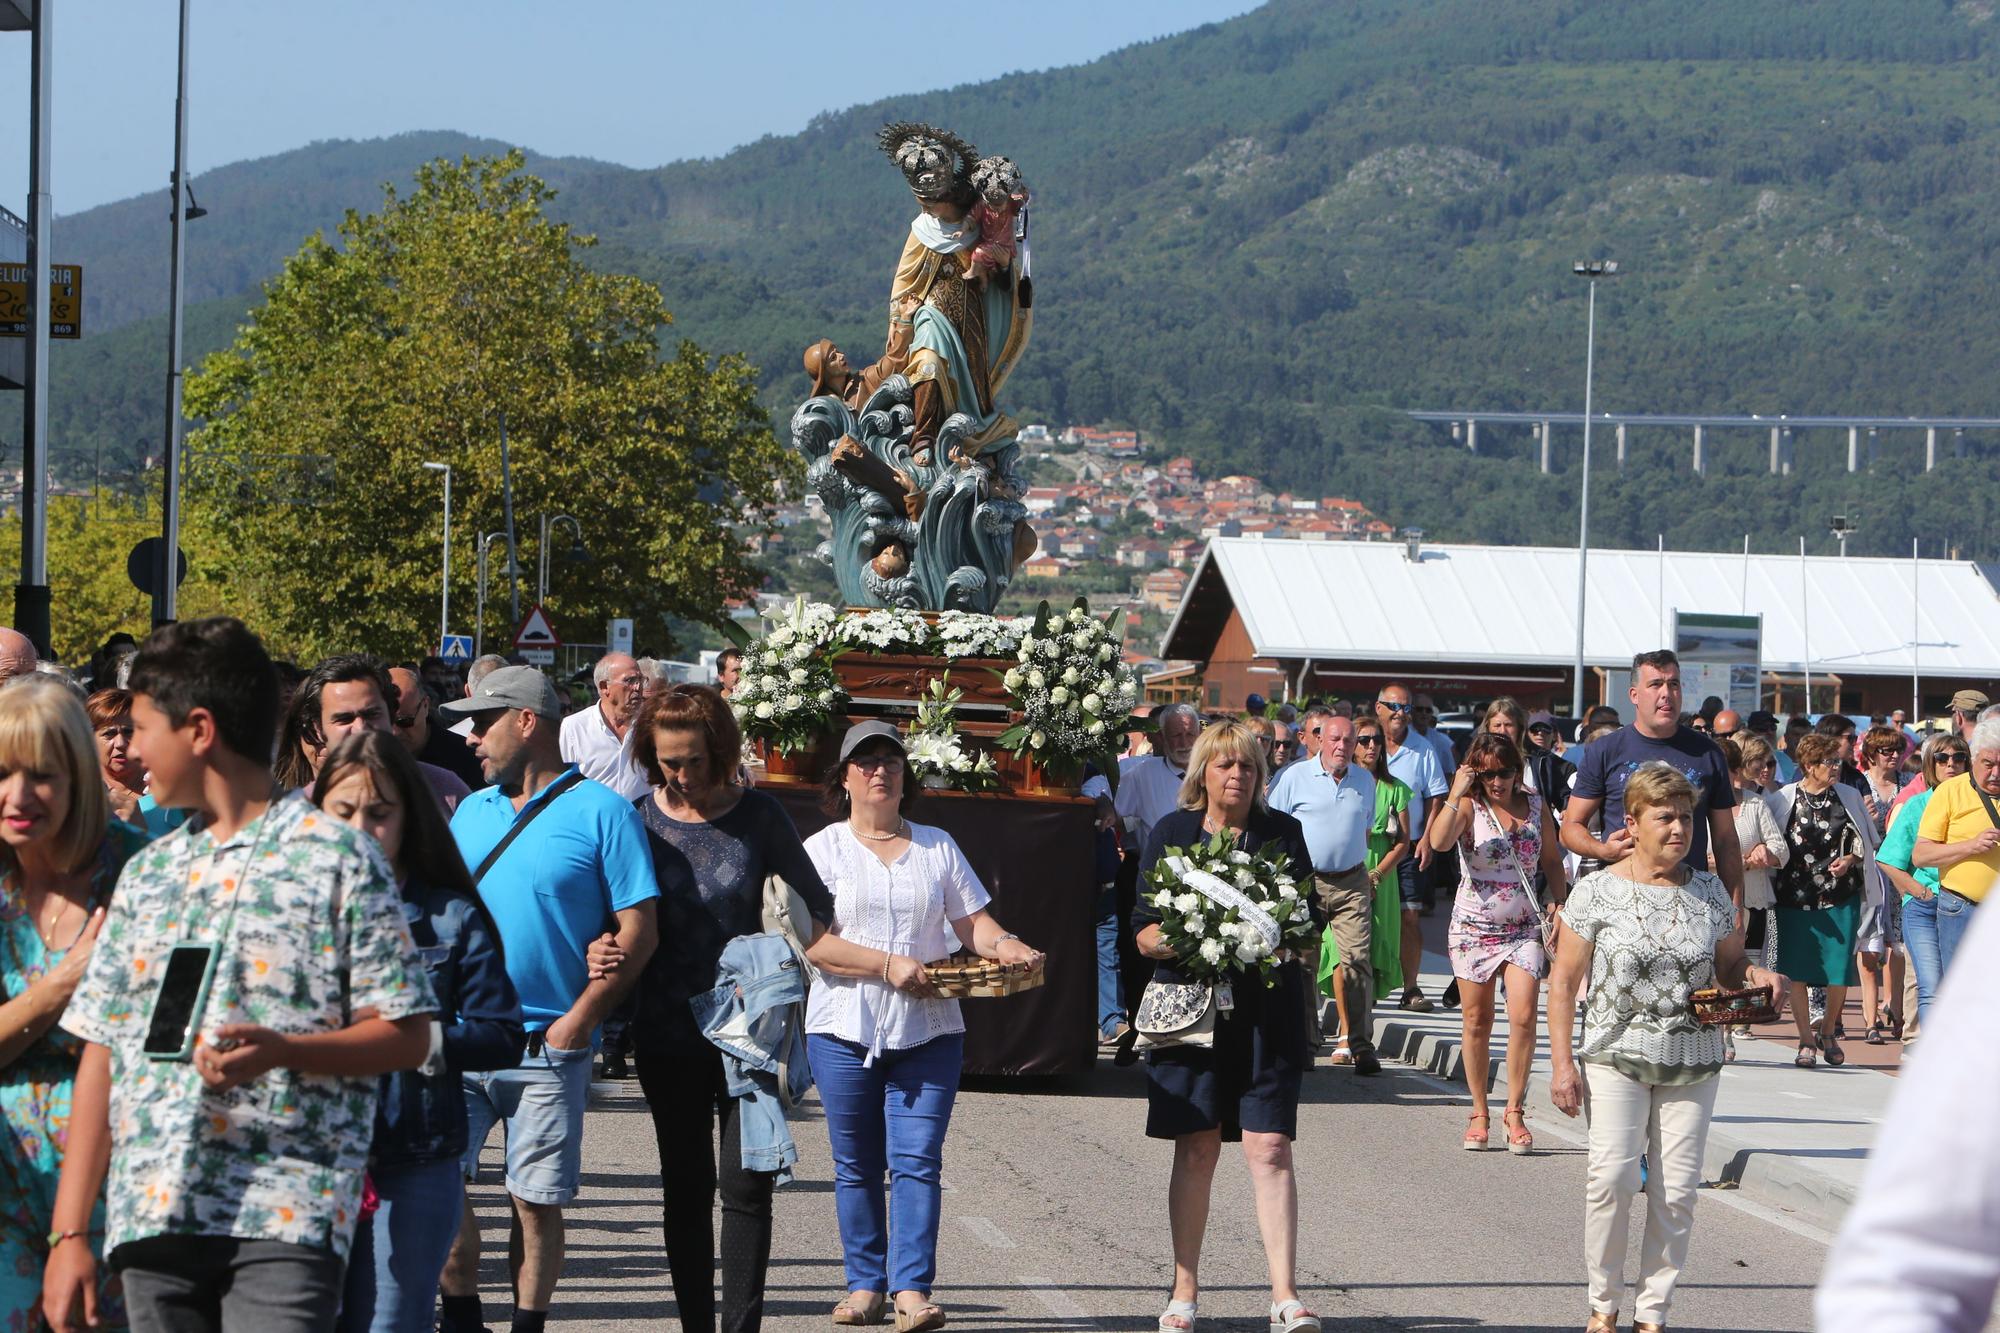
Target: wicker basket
1716 1007
965 976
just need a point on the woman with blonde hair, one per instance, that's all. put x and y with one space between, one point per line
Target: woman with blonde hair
60 854
1246 1085
1648 932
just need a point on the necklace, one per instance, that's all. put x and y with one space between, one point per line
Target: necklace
45 929
897 832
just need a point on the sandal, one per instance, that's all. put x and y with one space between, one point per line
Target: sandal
1181 1310
860 1307
923 1315
1341 1055
1475 1139
1414 1001
1519 1141
1874 1036
1293 1317
1895 1021
1834 1055
1807 1057
1601 1322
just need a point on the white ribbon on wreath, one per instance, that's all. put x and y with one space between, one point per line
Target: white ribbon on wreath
1219 890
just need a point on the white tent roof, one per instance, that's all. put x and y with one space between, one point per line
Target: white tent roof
1339 600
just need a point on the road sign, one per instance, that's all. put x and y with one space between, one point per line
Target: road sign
537 631
621 636
65 305
456 648
145 559
538 656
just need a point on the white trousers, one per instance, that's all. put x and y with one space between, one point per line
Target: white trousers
1670 1126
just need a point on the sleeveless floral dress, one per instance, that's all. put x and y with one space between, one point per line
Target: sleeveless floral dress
1493 920
34 1105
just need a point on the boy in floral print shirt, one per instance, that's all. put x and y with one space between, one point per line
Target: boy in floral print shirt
235 1178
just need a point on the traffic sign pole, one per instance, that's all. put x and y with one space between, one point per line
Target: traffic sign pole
166 590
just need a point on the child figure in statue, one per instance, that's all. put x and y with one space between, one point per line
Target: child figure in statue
1002 196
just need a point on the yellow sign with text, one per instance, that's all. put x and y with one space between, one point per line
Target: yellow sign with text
65 305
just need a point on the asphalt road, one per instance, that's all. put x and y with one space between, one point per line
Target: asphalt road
1055 1218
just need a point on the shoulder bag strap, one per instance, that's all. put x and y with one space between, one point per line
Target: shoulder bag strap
1992 812
1521 872
561 785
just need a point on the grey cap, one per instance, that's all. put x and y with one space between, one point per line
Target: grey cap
509 687
862 732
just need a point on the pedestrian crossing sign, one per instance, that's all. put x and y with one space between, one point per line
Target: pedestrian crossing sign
456 648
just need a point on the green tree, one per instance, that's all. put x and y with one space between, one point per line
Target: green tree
435 320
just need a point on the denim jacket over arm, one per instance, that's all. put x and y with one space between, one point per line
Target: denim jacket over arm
421 1117
756 1015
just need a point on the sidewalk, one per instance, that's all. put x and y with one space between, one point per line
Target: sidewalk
1792 1139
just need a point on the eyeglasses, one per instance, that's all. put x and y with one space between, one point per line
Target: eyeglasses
888 763
1725 735
1392 707
404 723
1952 757
1486 773
1373 738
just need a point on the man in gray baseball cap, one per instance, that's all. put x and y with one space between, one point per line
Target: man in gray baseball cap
560 860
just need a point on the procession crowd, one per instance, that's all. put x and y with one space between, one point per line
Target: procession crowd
282 947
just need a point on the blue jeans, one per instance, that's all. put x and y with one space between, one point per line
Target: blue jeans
888 1117
392 1272
1110 1006
1931 932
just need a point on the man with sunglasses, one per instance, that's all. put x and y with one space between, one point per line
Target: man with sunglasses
1656 733
1415 765
431 744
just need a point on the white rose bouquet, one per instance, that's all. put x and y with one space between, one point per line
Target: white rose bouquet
788 695
970 634
1074 691
1229 914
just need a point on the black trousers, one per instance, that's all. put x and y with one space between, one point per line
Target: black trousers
680 1072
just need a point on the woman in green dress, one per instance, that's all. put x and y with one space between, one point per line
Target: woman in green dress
60 853
1388 845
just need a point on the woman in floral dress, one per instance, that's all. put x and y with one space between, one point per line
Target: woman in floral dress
60 853
1502 831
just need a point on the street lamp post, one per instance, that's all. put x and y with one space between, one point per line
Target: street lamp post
1592 270
577 552
444 586
513 570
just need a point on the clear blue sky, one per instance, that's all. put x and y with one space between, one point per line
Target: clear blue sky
639 82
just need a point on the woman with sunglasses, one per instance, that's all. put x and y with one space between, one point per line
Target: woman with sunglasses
1829 896
1388 846
1944 756
1501 829
1881 751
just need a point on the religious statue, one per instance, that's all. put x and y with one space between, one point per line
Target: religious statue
914 462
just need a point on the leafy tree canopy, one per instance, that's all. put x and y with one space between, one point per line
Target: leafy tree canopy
435 321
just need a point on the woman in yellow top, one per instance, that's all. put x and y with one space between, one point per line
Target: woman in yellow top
1960 839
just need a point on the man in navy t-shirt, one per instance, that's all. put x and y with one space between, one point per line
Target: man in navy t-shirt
1656 734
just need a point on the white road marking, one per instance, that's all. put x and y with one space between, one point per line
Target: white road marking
986 1231
1801 1096
1057 1301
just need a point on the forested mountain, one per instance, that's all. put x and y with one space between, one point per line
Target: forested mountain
1255 239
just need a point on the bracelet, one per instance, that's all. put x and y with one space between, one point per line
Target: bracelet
1453 807
1010 935
58 1237
887 958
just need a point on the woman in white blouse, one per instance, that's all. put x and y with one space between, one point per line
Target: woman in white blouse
1647 932
885 1047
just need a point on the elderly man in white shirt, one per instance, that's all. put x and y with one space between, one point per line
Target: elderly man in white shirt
1149 789
1920 1249
598 740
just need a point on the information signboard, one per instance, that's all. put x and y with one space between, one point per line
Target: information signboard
65 304
1721 657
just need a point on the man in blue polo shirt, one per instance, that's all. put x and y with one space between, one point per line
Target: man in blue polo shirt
577 865
1334 801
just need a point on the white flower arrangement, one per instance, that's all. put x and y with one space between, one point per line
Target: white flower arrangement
1220 940
969 634
891 629
1074 692
937 752
788 695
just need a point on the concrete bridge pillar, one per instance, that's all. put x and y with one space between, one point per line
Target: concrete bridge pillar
1547 436
1700 461
1958 442
1930 447
1621 445
1854 448
1472 434
1774 451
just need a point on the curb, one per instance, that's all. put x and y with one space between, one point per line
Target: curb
1777 1178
